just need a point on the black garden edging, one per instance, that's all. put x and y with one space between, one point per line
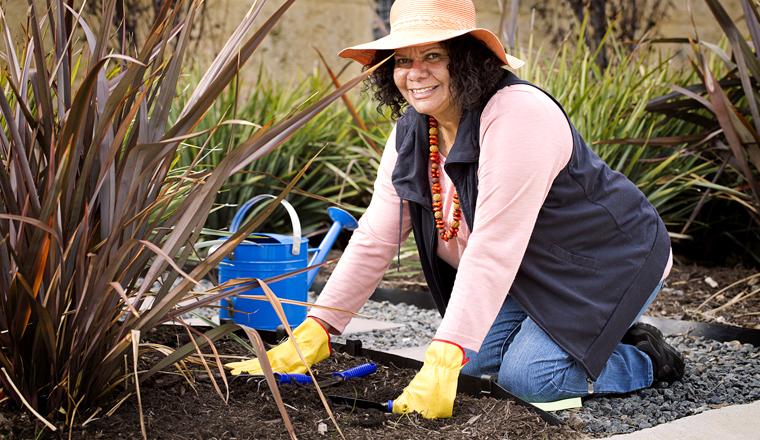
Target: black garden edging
484 386
669 327
716 332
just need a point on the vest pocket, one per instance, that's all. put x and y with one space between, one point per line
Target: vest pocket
567 256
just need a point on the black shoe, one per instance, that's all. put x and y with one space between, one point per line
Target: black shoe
667 362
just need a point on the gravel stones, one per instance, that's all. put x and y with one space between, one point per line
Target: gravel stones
717 374
419 326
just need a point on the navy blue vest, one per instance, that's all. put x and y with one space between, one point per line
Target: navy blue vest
596 253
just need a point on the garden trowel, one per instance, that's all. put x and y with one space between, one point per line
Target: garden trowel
336 378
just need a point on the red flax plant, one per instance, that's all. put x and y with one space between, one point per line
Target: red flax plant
724 106
88 207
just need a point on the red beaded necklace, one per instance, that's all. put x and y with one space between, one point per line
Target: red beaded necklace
435 175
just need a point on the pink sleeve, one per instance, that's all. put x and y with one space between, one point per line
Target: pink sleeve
370 250
525 143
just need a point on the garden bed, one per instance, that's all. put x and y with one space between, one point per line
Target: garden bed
691 285
175 408
717 374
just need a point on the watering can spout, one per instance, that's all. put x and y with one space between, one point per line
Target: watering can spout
341 219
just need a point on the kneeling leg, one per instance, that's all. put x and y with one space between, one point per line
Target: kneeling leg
536 369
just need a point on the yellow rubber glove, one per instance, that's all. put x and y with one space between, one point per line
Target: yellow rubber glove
313 340
432 391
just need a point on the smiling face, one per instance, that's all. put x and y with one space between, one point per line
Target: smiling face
421 74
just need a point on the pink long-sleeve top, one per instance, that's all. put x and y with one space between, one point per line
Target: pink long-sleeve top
525 141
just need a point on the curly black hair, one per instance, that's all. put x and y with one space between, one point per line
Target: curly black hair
475 75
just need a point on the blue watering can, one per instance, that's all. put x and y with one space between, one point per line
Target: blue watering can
265 255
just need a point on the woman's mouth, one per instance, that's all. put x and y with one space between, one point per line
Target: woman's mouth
422 92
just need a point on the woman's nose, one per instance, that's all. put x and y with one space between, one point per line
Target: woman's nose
418 69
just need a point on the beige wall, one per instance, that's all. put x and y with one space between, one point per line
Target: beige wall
328 25
331 25
677 24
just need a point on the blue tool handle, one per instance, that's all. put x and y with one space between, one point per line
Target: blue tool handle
389 406
303 379
358 371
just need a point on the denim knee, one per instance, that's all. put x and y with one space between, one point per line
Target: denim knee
528 381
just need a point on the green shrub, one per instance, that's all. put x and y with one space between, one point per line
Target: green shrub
342 173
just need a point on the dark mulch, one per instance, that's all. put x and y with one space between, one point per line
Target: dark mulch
174 408
691 285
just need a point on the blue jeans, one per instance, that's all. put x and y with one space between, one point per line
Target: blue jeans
531 366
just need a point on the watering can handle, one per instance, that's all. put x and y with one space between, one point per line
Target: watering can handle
240 215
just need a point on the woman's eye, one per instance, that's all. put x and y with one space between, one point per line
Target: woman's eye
403 62
433 57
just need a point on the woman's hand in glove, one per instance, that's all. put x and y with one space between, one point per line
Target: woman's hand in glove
432 391
313 340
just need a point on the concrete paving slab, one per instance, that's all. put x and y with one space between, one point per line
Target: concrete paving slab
417 353
737 422
359 325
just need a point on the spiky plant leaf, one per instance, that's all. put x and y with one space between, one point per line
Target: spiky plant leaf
90 212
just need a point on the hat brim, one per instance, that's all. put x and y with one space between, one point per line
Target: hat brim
365 53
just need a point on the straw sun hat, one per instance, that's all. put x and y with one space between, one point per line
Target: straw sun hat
416 22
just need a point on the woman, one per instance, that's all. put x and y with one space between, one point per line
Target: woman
539 256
